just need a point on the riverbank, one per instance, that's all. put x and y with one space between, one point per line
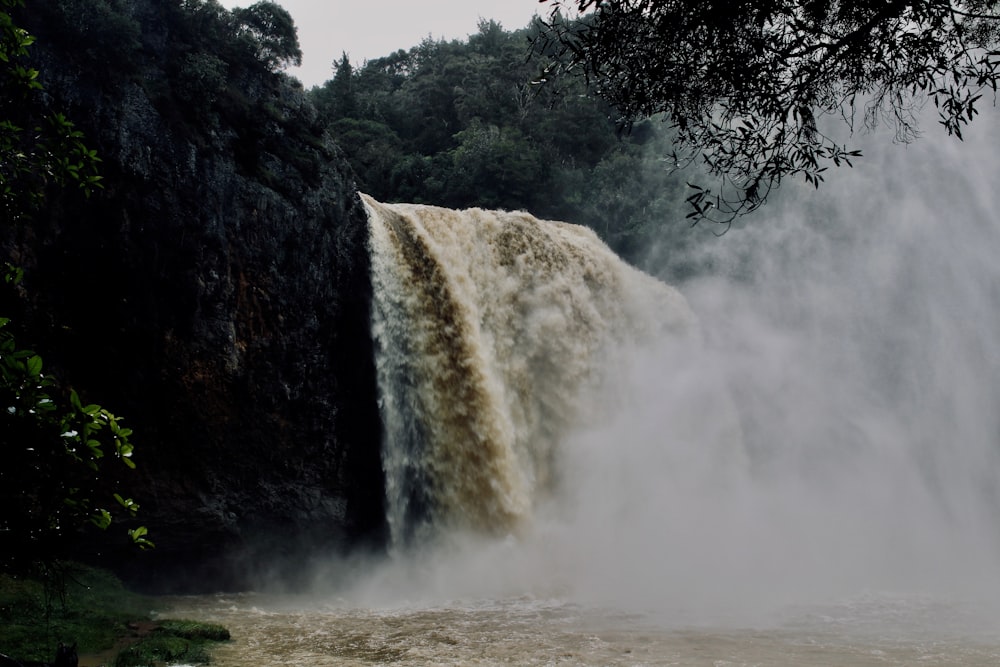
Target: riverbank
91 609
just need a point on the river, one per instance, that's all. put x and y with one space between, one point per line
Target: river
305 632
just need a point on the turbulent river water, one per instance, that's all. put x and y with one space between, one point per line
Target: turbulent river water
299 632
795 463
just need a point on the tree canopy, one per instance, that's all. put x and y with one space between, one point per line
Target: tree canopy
464 124
270 28
749 86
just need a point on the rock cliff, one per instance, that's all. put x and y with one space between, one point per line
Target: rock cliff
215 293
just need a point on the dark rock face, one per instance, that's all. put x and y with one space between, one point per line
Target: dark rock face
216 293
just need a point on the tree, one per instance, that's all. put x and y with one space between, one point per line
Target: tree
54 450
38 148
492 166
108 37
463 124
270 29
749 87
343 99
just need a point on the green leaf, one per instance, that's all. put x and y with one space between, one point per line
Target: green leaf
127 503
138 536
74 400
35 365
101 518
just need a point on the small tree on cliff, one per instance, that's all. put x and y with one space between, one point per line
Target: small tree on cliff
746 85
270 29
54 450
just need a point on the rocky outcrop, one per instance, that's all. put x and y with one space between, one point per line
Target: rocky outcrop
216 294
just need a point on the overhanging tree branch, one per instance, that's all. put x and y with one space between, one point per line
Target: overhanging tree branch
747 86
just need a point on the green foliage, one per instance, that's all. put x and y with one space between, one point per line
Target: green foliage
162 649
57 453
39 149
751 89
14 43
339 98
269 29
466 124
171 642
221 71
187 629
92 609
200 79
106 35
493 165
55 449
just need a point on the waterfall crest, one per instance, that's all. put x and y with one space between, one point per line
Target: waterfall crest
493 333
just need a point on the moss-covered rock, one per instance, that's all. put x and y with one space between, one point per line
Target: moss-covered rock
173 641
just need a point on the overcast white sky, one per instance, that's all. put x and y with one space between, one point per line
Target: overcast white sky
368 29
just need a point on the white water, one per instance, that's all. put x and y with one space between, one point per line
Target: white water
499 337
601 507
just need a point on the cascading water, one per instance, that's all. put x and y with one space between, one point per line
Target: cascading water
533 383
556 421
494 334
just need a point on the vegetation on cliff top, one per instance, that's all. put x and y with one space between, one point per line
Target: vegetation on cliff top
465 123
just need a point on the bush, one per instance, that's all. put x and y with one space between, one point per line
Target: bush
195 630
173 641
93 610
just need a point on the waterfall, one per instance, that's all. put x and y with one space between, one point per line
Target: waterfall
494 333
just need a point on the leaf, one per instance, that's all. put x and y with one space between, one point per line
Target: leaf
138 536
35 365
95 448
74 400
101 518
127 503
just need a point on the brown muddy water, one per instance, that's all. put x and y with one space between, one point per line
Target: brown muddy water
301 632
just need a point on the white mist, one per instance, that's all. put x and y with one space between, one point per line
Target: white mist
858 330
835 437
